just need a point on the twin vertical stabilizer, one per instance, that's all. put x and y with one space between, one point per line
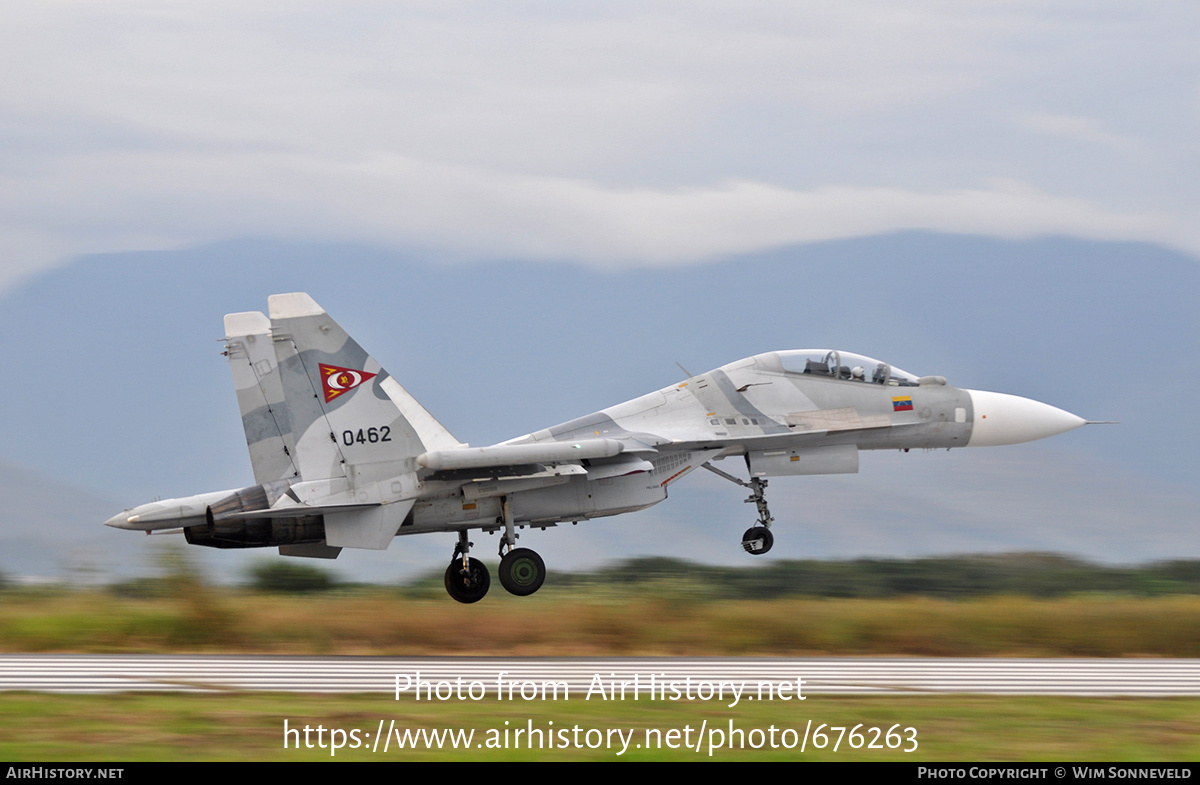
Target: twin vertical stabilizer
251 354
321 413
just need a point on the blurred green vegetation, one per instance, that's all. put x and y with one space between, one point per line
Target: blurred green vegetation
286 577
1033 605
1026 574
1015 605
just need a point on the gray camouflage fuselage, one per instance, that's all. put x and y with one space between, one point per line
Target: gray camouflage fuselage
782 423
343 456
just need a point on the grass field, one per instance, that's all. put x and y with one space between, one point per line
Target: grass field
382 621
598 621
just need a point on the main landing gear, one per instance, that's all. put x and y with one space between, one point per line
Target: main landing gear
758 539
522 571
467 579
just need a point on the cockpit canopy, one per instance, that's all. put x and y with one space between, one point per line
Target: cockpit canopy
844 365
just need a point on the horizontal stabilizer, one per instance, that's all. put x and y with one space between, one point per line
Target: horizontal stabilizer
372 529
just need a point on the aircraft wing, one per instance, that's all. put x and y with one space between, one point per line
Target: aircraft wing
804 429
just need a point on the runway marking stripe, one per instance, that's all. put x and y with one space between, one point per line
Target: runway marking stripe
138 673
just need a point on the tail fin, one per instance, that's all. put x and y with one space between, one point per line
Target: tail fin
348 417
260 397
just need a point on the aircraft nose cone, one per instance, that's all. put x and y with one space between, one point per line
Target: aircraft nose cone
1011 419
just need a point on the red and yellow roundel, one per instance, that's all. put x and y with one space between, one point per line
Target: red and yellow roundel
337 380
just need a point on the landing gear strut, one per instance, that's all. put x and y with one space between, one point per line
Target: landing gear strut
522 571
758 539
467 579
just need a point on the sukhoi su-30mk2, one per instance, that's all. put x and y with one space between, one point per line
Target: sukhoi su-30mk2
344 457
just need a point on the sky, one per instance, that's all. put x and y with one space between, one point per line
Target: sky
617 144
612 135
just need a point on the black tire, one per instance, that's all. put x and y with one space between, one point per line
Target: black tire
757 540
469 585
522 572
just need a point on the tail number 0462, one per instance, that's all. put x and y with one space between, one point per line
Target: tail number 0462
367 436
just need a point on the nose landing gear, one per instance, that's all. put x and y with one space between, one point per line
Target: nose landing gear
758 539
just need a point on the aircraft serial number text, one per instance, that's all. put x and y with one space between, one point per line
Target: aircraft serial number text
367 436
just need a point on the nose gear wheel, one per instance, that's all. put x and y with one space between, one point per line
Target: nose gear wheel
757 540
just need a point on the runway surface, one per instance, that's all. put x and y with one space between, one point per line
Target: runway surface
827 675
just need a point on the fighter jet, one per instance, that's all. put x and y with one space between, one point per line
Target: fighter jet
345 457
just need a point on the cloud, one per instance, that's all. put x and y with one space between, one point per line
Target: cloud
1086 130
161 201
623 134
